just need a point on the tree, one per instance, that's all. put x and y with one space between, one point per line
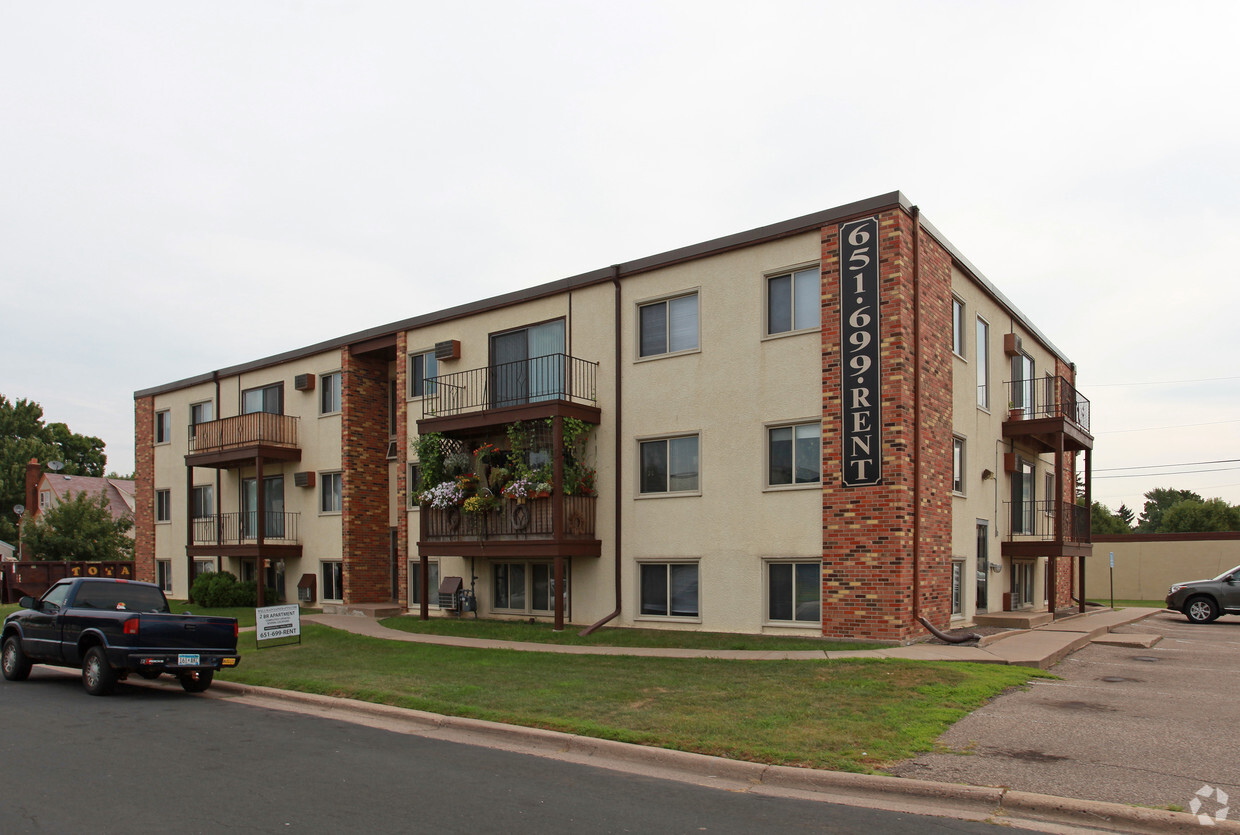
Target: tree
1125 513
24 436
1201 516
1103 521
1157 502
80 528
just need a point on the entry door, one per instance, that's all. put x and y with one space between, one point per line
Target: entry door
527 364
273 504
983 565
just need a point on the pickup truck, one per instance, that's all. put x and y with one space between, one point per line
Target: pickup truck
111 628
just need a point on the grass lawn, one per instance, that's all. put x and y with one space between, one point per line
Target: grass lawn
1122 604
855 715
542 632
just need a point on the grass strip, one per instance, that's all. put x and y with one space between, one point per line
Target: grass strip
543 633
854 715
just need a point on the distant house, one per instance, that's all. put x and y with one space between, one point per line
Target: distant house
6 551
54 488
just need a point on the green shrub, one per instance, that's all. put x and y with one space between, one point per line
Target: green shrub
221 590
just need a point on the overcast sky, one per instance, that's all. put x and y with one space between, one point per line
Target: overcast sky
187 186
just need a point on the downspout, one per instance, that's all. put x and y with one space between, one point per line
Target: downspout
615 280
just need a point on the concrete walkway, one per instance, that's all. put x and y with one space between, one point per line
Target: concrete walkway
1040 647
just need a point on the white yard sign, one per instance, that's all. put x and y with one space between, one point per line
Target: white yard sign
278 622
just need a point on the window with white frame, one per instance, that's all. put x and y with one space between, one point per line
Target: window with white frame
415 582
794 592
163 427
200 413
329 393
958 327
983 363
163 505
333 581
331 497
668 326
204 501
203 566
163 574
957 587
794 454
793 301
422 367
669 465
45 499
669 590
958 464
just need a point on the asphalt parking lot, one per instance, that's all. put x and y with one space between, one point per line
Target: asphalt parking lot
1132 725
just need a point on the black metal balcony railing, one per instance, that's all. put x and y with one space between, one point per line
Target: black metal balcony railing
1036 520
512 520
1049 397
242 528
550 377
242 431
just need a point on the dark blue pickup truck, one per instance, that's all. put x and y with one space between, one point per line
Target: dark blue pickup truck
111 628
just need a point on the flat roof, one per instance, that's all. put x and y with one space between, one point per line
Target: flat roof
716 246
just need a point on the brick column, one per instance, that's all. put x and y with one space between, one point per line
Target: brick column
144 489
367 577
868 531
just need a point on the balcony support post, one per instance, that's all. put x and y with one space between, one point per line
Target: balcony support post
189 528
557 512
260 505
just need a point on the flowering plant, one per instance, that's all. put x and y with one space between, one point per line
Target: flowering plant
479 504
519 489
443 495
485 452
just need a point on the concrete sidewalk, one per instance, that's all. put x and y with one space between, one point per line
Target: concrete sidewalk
1039 647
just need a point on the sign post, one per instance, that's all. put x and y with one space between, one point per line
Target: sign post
1112 579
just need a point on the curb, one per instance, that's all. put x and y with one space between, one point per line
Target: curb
874 790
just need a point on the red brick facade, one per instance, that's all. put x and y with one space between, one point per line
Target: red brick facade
402 470
868 554
364 441
144 489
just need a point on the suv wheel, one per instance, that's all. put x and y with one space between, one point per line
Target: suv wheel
1200 610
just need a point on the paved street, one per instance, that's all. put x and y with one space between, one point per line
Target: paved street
155 760
1126 724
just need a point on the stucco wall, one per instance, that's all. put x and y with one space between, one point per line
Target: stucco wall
1146 566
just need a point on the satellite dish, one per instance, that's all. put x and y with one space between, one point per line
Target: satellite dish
19 509
55 466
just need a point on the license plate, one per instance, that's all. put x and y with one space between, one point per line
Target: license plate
187 660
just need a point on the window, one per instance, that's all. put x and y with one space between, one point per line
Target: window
794 454
422 367
793 301
1049 504
1022 583
163 574
1023 497
415 482
393 413
273 507
526 587
958 336
958 465
163 427
668 326
794 592
200 413
206 566
527 364
415 582
983 363
204 501
669 590
957 587
45 499
669 465
333 581
329 393
163 505
330 495
269 399
1022 383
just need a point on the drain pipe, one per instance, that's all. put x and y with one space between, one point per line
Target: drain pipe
615 280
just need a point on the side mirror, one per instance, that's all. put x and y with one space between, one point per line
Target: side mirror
28 603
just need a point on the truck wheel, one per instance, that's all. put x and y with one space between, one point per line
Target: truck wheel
98 677
1200 610
16 665
197 681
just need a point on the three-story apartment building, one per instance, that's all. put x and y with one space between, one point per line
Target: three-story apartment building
832 425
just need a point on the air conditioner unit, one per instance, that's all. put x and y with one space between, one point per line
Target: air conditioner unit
449 350
1011 344
304 479
304 382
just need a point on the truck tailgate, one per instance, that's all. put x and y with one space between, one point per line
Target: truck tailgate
187 632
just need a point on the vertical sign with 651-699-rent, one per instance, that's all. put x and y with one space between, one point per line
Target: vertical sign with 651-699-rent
861 395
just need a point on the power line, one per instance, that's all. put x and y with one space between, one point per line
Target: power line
1153 466
1156 428
1177 472
1163 383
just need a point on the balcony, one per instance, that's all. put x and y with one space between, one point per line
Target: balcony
540 387
234 441
1047 412
514 529
238 535
1047 528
